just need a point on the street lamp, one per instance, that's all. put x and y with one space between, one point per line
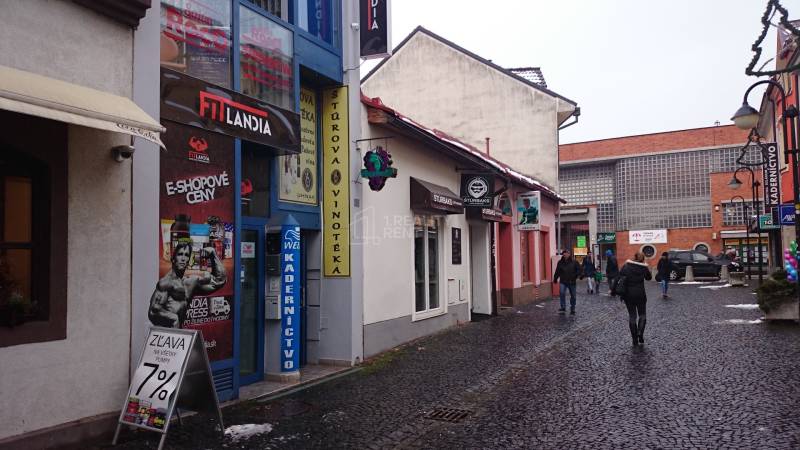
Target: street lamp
743 119
754 184
746 228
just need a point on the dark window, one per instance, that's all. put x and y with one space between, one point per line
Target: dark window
701 248
255 180
33 231
320 18
274 7
649 251
524 250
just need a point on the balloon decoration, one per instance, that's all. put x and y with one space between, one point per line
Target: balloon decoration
790 256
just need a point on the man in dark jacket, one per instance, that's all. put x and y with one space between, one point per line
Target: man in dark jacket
567 272
612 269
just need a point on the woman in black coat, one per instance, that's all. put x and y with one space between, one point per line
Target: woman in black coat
633 274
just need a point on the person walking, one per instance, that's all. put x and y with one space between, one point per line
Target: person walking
663 274
612 269
567 273
632 292
589 271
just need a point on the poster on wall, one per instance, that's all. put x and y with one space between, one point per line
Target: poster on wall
647 237
528 208
335 183
298 173
196 241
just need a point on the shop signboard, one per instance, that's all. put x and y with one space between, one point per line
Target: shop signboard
606 238
477 190
290 296
772 192
647 236
787 214
375 28
581 241
456 245
765 222
298 173
335 183
196 237
191 101
378 168
528 208
173 372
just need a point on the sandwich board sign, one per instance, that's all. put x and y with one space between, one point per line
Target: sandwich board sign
173 372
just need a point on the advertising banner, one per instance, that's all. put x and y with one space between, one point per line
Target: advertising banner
606 238
196 241
335 183
375 28
290 298
194 102
765 222
477 190
647 237
787 214
528 208
772 178
298 173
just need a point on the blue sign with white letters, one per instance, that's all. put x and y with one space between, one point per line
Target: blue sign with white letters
787 214
290 296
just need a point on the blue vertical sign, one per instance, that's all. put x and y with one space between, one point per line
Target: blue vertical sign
290 296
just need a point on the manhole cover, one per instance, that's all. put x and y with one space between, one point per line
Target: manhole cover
452 415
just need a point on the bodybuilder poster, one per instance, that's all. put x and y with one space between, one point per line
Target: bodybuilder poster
196 241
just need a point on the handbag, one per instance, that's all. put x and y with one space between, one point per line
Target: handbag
619 286
658 277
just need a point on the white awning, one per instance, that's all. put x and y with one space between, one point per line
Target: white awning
37 95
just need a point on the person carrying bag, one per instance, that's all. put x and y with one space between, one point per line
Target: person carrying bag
630 287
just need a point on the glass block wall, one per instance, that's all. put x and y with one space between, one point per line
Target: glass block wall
669 190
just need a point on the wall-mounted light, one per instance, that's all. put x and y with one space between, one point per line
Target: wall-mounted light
122 152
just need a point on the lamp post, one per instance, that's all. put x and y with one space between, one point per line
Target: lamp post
746 118
754 184
746 228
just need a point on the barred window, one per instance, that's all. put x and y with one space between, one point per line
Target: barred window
734 213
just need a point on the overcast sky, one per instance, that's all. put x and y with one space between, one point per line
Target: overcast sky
633 66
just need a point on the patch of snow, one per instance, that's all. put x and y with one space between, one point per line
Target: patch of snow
540 306
739 322
715 287
693 282
743 306
237 432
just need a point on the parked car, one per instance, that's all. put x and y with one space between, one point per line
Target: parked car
703 265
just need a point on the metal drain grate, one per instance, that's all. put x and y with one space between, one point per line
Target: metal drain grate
452 415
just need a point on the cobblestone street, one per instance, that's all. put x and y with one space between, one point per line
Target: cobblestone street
708 376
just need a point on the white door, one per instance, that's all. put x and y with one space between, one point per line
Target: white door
480 268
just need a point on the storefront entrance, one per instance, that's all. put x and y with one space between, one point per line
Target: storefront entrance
251 313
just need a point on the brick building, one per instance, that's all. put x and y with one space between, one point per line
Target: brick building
658 192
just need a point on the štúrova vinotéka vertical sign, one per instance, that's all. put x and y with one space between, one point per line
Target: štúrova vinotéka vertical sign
290 298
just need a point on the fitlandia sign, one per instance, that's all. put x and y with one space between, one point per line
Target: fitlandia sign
194 102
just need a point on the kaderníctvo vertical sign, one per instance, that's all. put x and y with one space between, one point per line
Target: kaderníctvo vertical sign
772 184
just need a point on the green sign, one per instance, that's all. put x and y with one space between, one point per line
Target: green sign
765 222
606 238
581 242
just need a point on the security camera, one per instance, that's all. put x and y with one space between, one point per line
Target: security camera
122 152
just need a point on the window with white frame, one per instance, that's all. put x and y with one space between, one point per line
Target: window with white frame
426 264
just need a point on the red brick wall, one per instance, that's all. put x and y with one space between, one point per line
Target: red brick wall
656 142
679 238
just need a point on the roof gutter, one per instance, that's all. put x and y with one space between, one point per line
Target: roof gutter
575 114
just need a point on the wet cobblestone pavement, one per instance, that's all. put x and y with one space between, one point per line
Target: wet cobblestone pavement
708 376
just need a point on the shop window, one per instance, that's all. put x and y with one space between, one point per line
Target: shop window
504 204
196 39
255 180
267 65
426 264
320 18
27 312
275 7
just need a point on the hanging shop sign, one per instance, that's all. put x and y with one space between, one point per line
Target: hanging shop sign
606 238
647 237
336 182
375 28
772 176
787 214
173 372
191 101
476 190
456 245
430 198
528 208
290 296
378 167
487 214
765 222
196 242
298 173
